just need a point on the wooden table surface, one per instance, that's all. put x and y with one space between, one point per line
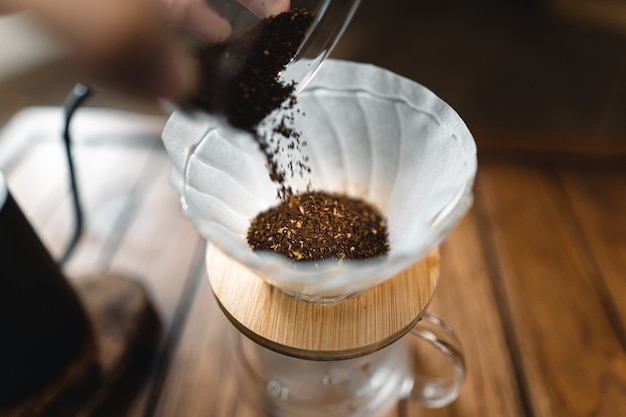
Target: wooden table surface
533 279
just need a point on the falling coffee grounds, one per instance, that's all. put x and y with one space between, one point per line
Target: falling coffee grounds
239 79
316 225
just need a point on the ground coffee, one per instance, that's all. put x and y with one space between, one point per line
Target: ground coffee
315 225
240 80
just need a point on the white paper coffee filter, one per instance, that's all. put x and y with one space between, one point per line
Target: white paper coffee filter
370 134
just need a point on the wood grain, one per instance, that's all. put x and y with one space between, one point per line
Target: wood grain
160 249
357 326
201 379
571 359
598 202
465 299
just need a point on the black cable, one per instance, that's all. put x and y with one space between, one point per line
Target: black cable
73 100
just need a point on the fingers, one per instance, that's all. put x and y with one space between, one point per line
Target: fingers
197 17
127 43
266 8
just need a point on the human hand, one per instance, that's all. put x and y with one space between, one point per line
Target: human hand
200 19
133 45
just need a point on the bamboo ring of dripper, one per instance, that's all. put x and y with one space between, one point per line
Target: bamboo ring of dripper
351 328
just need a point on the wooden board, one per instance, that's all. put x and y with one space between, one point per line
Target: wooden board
465 299
598 201
570 359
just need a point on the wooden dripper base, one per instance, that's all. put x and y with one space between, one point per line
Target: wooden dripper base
351 328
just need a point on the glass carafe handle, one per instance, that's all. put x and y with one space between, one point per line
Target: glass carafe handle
435 392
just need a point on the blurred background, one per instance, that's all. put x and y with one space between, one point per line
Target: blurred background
536 70
533 67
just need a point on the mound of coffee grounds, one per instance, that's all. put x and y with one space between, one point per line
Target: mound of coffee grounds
240 80
316 225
